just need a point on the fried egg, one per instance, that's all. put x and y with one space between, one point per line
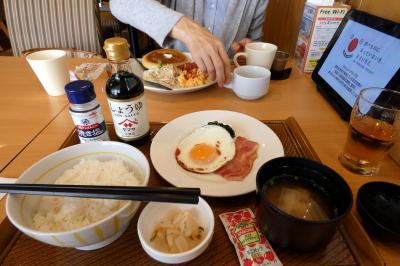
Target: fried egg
206 149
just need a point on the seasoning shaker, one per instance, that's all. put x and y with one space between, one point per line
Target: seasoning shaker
86 111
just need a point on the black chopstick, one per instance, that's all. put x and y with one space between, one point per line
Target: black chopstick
137 193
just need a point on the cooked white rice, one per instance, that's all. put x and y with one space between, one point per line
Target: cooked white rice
66 213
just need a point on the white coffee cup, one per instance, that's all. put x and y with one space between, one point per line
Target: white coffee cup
51 68
250 82
258 54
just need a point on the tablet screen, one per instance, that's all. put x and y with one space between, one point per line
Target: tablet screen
362 57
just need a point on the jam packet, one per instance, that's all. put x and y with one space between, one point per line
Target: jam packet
252 247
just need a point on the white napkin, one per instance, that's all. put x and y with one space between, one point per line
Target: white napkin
88 71
8 181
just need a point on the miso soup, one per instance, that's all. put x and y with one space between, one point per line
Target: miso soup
299 200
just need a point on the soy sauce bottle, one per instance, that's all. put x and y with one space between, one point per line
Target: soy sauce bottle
125 94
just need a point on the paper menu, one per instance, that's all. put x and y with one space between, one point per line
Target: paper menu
318 25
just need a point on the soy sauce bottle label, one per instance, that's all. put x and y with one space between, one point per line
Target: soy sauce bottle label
130 117
90 125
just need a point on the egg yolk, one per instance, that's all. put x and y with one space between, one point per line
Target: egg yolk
203 153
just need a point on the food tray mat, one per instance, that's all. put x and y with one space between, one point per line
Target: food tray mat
127 250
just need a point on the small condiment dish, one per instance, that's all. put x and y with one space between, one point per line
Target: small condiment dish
378 204
22 208
155 212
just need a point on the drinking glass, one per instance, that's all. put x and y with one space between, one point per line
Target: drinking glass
373 129
280 60
51 68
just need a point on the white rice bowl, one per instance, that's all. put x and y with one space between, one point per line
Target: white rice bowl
21 209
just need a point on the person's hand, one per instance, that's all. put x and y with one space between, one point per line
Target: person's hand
207 51
237 47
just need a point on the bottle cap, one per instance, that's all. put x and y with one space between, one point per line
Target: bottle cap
80 91
117 49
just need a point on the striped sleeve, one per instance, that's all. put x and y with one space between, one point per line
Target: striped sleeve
256 27
148 16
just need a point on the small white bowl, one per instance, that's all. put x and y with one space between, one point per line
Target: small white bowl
154 212
21 208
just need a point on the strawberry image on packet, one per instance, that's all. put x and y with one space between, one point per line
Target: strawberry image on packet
252 247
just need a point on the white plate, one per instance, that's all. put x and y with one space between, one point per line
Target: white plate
138 71
163 146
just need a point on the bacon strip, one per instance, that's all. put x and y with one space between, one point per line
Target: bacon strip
240 166
188 66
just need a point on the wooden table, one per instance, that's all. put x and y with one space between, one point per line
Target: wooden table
295 97
25 108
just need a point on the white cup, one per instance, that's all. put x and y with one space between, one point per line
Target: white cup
258 54
250 82
50 66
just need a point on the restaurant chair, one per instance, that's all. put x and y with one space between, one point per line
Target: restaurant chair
140 42
53 24
3 28
110 26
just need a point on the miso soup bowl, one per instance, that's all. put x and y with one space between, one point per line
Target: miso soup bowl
287 231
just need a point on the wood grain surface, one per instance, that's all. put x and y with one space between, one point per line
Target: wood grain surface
127 250
389 9
296 96
25 108
282 23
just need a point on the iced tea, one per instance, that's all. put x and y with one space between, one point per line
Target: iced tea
368 141
372 130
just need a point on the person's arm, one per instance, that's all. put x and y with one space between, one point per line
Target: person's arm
160 22
148 16
256 26
207 51
237 47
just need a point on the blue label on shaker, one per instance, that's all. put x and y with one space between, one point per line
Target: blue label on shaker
90 125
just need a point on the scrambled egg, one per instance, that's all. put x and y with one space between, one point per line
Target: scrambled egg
192 78
185 76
